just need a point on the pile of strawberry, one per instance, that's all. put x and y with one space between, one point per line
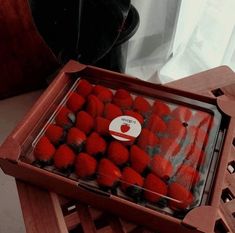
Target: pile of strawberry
163 162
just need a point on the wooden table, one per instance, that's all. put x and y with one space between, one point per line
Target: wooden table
47 212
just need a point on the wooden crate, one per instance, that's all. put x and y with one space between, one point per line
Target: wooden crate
65 215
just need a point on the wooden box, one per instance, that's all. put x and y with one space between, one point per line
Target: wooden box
17 152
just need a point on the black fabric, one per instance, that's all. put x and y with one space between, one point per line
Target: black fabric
85 36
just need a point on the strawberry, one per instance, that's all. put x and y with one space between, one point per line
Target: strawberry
169 146
94 106
117 153
175 129
141 105
201 137
64 157
76 139
161 167
139 159
122 98
135 115
187 176
84 88
191 133
75 102
55 134
84 122
103 93
108 173
201 119
95 145
182 198
194 155
44 150
160 108
154 188
182 113
85 165
102 126
197 135
112 111
65 118
131 182
156 124
147 138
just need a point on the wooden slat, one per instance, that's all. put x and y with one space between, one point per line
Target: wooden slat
137 229
106 229
58 213
207 80
86 219
226 215
63 200
72 220
116 224
95 214
38 210
128 226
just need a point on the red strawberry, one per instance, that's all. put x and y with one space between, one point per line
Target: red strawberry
175 129
135 115
169 146
154 188
95 144
85 165
112 111
118 153
156 124
161 167
197 136
160 108
75 102
84 88
64 157
187 176
201 137
76 138
131 182
84 122
182 197
147 138
201 119
65 118
182 113
102 126
103 93
108 173
55 134
141 105
139 159
194 155
122 98
94 106
44 150
191 133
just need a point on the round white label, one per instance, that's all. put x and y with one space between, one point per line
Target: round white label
125 128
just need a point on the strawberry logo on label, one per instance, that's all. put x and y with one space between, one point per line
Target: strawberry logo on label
125 128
